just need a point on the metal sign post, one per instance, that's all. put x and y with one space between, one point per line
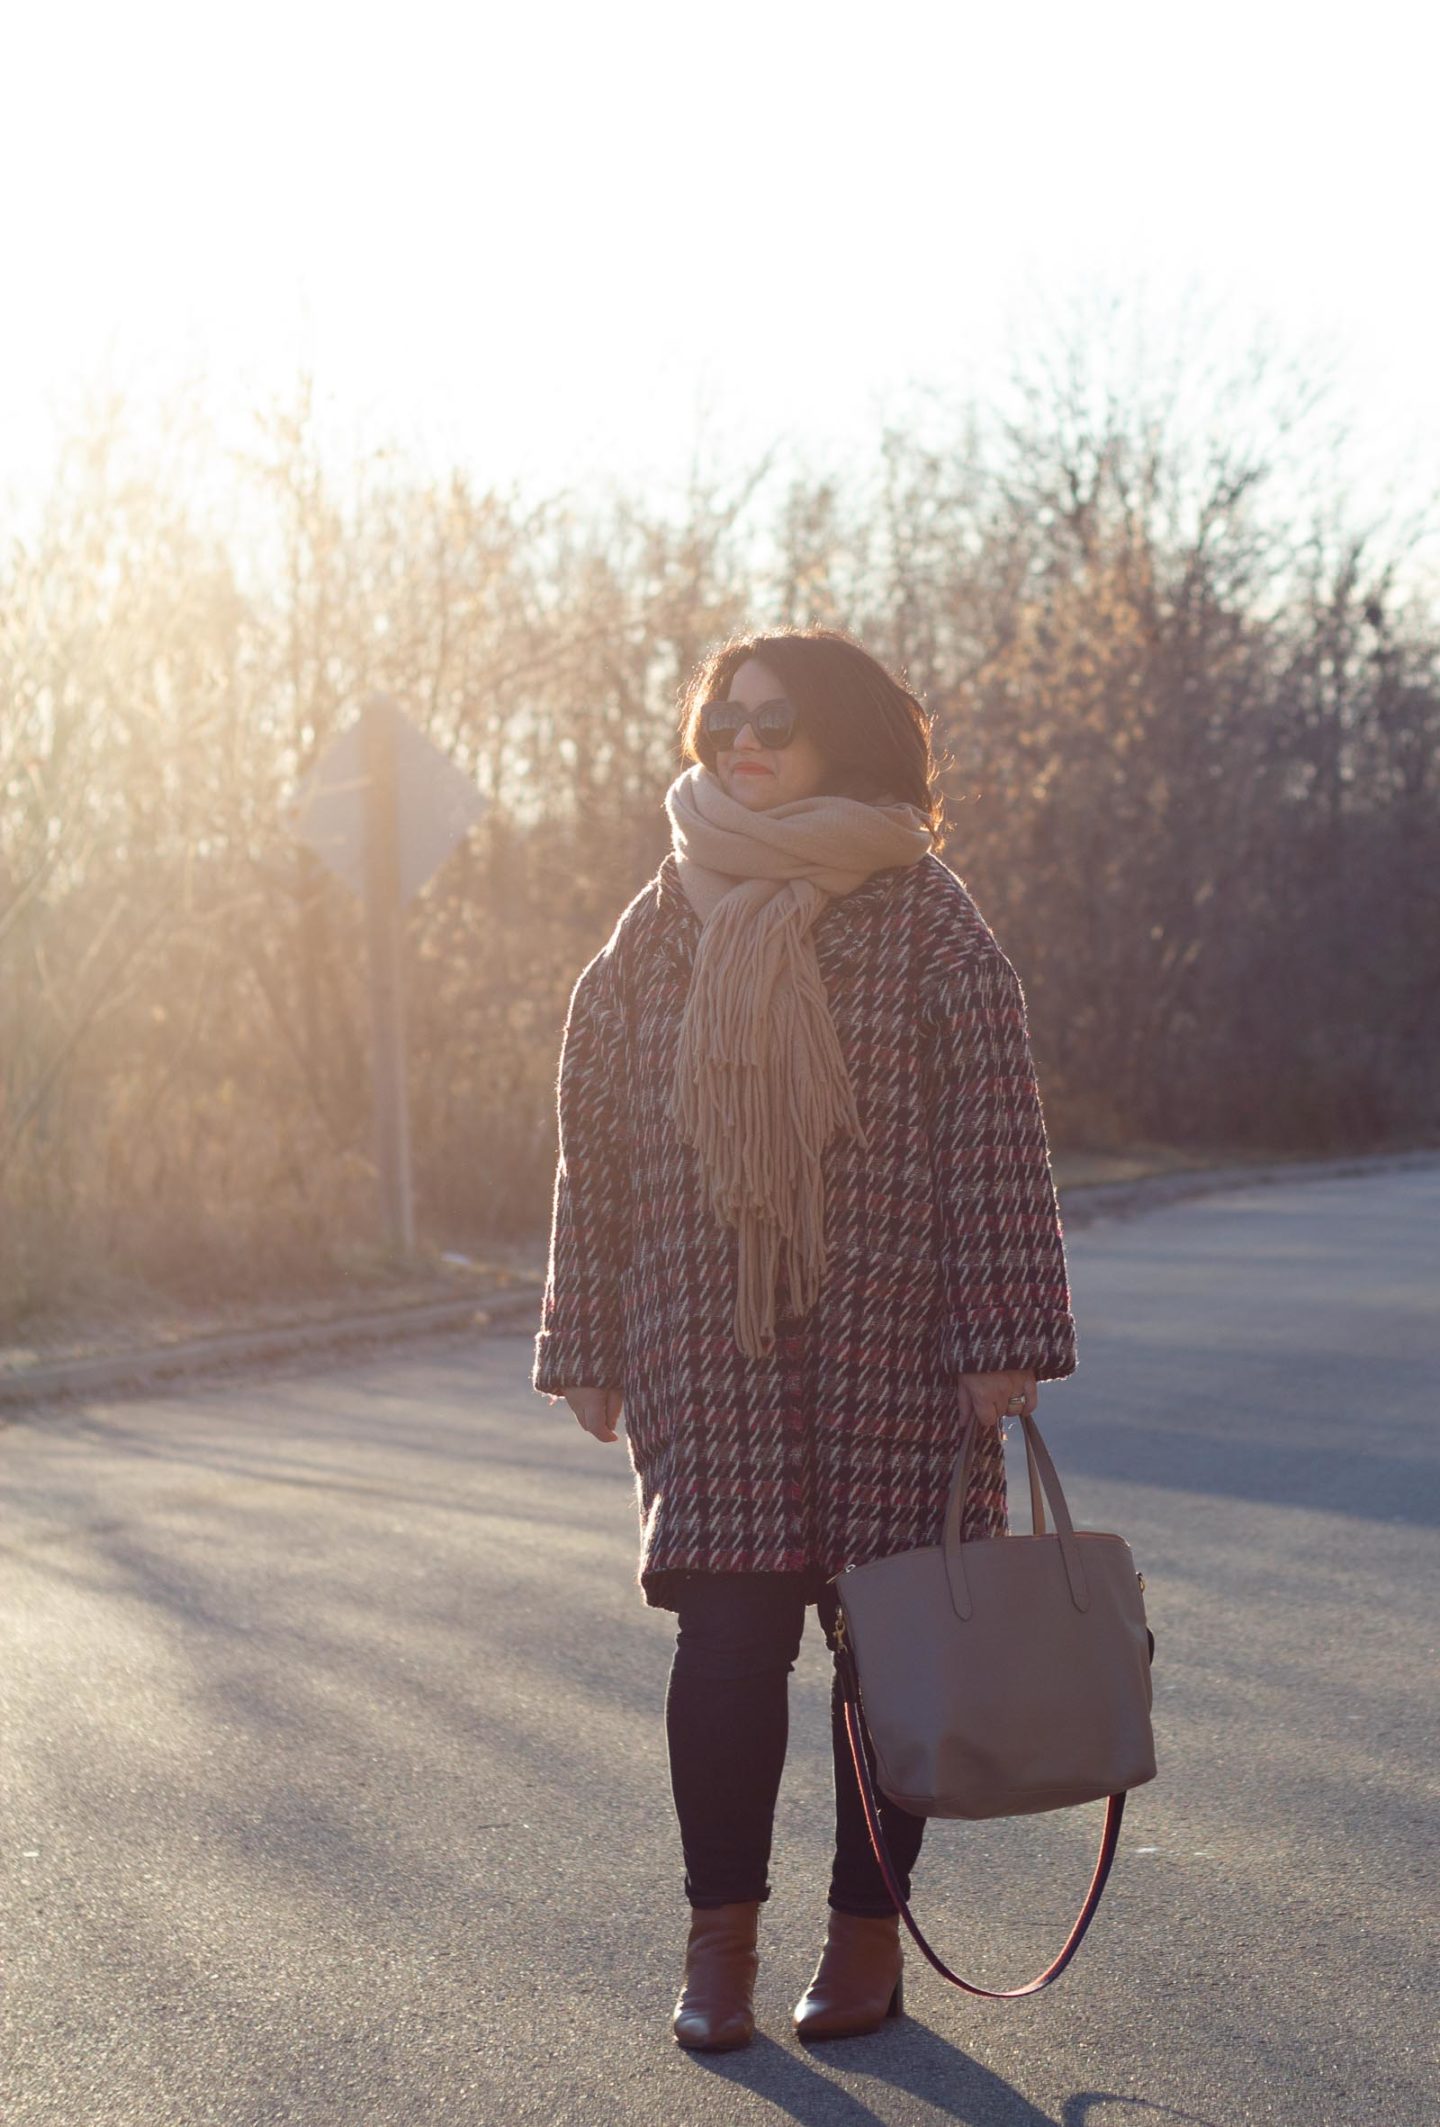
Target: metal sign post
382 808
387 996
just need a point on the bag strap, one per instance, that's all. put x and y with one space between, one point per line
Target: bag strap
1109 1839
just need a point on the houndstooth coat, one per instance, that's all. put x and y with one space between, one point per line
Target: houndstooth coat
944 1249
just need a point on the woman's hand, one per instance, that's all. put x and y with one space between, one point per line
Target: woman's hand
596 1408
997 1397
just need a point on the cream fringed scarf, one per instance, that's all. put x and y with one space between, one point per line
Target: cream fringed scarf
760 1082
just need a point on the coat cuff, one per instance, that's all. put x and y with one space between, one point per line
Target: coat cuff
572 1361
999 1341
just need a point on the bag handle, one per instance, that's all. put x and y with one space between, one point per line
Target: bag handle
1037 1491
1038 1456
1109 1839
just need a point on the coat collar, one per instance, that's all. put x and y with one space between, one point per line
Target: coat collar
840 929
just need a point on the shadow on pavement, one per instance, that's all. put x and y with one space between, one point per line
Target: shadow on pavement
910 2057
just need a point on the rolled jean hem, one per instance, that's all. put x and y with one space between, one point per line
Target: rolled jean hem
887 1911
701 1905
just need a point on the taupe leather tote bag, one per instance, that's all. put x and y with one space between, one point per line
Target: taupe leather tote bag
999 1677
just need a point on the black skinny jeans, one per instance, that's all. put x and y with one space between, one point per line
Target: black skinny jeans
727 1724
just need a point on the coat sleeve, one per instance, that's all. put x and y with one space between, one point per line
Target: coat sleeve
1007 1294
580 1339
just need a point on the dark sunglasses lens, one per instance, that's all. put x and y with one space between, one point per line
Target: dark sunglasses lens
775 725
719 723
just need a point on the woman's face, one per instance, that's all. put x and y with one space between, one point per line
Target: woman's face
758 777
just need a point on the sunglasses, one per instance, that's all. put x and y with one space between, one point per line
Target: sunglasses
774 723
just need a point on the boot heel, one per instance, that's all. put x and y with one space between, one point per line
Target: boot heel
897 1999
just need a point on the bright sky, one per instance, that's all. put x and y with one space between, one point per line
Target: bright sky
547 240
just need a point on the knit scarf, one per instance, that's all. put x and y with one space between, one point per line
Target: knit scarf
760 1082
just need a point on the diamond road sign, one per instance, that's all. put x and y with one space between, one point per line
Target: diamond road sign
435 805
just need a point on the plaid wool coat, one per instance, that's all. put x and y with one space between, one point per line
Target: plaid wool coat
944 1248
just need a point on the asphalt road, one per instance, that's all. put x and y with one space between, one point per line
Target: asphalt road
335 1785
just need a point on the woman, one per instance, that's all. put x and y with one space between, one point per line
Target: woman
803 1223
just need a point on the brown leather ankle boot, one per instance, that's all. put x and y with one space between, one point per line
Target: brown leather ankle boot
858 1980
716 2009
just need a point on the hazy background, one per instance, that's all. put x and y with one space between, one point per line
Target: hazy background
1082 363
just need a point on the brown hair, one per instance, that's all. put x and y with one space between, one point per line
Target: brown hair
873 731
